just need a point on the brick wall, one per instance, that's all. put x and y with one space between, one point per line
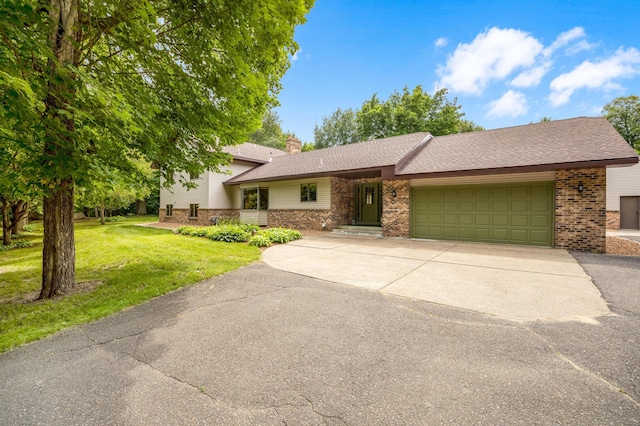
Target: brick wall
341 212
580 218
203 219
613 219
395 210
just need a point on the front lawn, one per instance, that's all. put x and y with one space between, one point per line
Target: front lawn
118 265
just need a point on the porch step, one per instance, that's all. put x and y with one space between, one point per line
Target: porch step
373 231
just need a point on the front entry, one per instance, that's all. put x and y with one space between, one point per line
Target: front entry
367 203
629 212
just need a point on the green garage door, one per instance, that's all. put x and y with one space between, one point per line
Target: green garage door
512 213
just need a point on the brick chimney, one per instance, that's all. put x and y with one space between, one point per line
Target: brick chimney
294 146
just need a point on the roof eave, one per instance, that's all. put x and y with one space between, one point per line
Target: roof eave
523 169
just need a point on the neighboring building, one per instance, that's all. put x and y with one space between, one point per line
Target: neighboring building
540 184
623 197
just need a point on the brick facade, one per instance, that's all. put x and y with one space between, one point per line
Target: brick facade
340 213
395 210
580 218
613 219
204 218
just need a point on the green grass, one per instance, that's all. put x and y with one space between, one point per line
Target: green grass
117 265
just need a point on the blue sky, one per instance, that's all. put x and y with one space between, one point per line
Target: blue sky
507 62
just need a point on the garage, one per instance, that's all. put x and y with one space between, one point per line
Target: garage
506 213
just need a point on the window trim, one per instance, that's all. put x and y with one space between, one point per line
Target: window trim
308 186
193 208
259 200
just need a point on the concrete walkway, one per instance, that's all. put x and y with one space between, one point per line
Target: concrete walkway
512 282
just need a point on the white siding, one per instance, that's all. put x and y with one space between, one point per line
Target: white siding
286 194
466 180
181 198
621 182
210 193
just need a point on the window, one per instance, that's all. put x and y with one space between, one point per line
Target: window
255 198
308 192
193 210
169 210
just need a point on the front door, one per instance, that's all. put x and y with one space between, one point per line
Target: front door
629 212
368 205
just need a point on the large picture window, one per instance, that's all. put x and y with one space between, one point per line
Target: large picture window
255 198
308 192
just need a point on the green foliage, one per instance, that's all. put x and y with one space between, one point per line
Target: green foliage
624 114
115 219
29 228
20 243
118 266
229 233
281 235
340 128
270 133
225 220
260 240
402 113
194 231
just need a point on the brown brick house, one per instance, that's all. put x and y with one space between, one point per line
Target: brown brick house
541 184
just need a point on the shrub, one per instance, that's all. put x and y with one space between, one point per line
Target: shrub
281 235
16 245
228 233
195 231
259 240
29 228
227 221
250 228
114 219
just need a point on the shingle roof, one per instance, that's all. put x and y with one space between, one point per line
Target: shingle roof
359 156
580 142
252 152
562 142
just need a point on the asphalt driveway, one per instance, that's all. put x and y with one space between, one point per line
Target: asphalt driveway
512 282
261 346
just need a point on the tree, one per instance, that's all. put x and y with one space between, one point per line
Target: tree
624 114
402 113
340 128
95 84
270 133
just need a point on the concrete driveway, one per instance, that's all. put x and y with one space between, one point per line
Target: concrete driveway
513 282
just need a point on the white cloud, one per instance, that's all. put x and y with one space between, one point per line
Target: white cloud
532 76
595 75
565 38
441 42
492 55
295 55
511 104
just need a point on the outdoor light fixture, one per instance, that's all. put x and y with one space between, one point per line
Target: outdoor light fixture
580 187
394 193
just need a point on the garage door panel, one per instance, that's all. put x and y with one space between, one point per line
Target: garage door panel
507 213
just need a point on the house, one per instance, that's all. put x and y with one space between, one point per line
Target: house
623 197
540 184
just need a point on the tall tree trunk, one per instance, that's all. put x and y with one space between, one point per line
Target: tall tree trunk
95 212
102 222
6 222
59 252
141 207
19 211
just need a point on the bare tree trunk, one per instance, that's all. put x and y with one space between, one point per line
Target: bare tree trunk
20 211
59 252
6 222
95 212
102 222
141 207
